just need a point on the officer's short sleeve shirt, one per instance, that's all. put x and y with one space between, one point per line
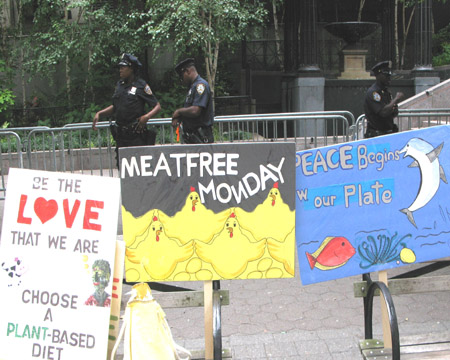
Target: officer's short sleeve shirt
199 94
375 100
129 101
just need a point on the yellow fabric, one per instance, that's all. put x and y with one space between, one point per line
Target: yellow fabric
147 334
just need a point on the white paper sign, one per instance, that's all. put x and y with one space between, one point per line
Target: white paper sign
57 260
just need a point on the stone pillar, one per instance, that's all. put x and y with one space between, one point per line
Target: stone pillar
423 69
387 32
308 37
308 94
291 30
422 35
307 91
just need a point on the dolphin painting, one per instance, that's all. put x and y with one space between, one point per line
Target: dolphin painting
431 172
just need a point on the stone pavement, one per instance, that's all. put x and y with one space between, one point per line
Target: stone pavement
281 319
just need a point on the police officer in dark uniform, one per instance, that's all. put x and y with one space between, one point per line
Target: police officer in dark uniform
130 97
196 117
380 107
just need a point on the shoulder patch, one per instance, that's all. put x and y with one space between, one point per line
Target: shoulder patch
200 88
147 89
376 96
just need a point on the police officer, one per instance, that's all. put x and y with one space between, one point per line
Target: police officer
196 117
380 107
128 105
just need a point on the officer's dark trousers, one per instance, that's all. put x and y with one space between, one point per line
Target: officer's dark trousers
202 135
121 142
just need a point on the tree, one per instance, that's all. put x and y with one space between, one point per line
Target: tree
406 24
441 47
200 25
83 38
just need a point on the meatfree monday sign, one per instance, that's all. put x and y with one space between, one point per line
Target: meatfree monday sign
208 212
373 204
57 258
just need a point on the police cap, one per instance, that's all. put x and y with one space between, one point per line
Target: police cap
129 60
183 65
383 67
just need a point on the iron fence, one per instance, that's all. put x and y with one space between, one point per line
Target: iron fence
407 119
264 55
17 160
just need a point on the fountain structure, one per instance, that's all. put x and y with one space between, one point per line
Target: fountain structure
354 55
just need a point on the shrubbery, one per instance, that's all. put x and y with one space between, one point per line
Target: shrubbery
441 47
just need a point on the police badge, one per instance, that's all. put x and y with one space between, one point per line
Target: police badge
376 96
200 88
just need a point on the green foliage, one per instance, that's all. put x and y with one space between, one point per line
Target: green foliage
441 47
196 23
6 99
80 115
200 26
444 57
6 95
170 93
85 46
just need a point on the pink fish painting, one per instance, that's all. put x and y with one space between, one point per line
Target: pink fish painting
331 254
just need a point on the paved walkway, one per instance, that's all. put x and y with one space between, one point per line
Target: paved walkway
281 319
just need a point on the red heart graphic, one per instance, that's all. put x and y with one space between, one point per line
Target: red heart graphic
44 209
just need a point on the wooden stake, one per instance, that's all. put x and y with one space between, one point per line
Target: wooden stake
208 307
387 339
117 278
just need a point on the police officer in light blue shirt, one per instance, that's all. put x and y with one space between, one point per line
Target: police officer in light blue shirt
196 117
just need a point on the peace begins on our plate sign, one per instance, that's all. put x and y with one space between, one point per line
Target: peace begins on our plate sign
373 204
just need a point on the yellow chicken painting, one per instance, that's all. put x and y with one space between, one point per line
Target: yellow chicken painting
132 226
231 249
198 244
283 251
194 220
272 218
157 253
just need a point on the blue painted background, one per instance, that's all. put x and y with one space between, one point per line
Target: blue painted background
381 235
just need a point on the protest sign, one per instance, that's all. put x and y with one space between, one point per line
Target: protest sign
57 256
373 205
208 212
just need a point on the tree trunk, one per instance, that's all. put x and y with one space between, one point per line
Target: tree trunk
405 33
361 5
68 79
86 82
22 56
277 34
212 55
397 55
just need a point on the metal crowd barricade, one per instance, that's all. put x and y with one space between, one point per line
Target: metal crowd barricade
410 119
78 148
74 147
13 158
328 127
407 119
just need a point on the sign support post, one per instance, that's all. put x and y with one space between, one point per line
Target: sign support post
208 311
387 338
